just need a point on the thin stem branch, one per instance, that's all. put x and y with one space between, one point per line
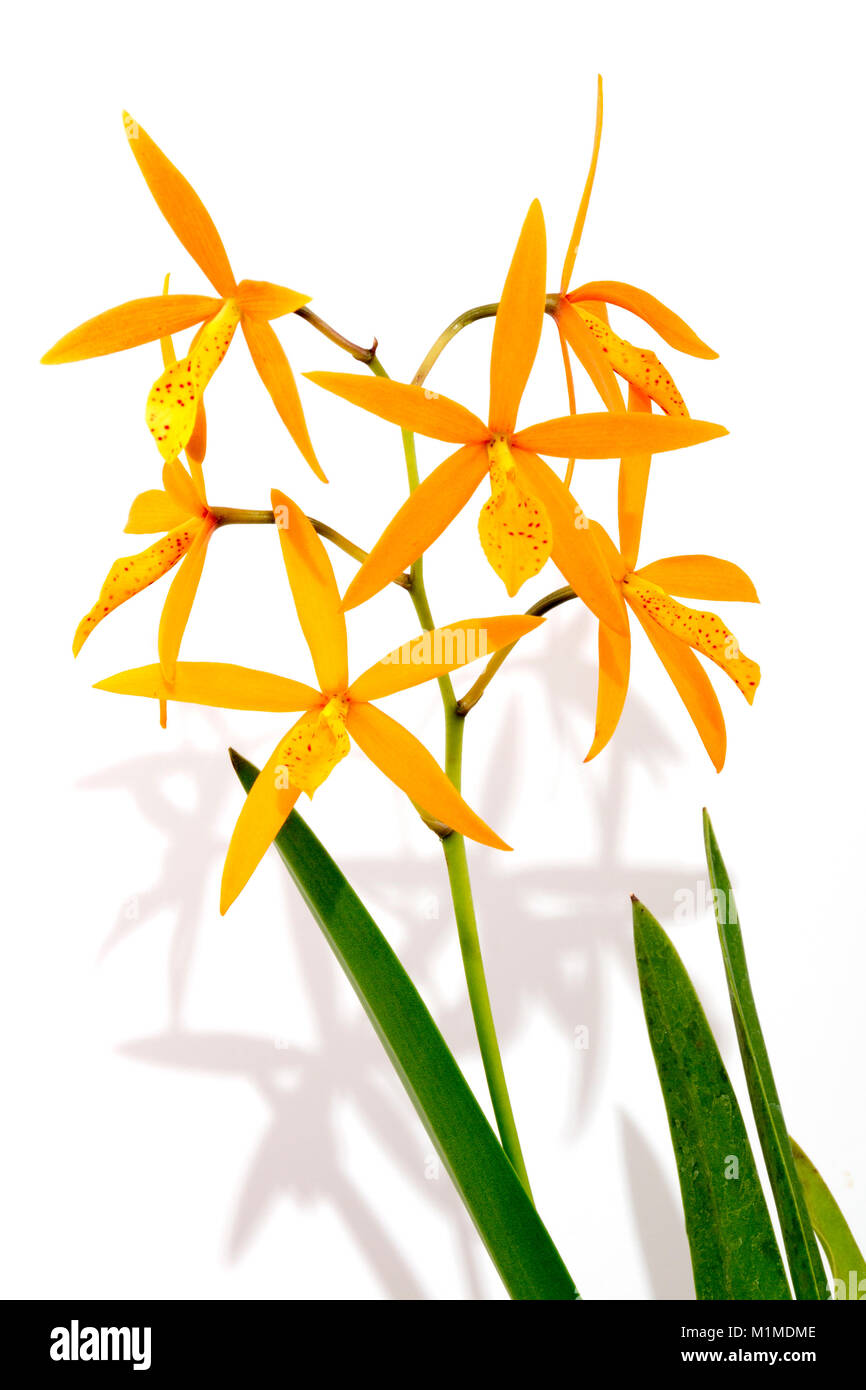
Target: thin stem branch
482 311
239 516
360 354
544 605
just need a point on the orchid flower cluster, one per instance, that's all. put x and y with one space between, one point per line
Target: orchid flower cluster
531 519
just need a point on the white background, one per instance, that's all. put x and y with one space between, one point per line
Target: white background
196 1107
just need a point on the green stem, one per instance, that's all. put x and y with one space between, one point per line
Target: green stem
482 311
360 354
240 516
454 848
543 605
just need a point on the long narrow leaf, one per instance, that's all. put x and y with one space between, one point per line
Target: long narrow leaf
847 1264
731 1238
518 1243
804 1259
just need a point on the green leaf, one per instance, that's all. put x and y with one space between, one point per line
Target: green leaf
847 1265
804 1259
733 1247
518 1243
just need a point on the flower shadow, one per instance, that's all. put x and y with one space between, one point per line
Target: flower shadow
549 932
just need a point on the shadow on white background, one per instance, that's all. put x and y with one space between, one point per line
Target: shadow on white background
554 929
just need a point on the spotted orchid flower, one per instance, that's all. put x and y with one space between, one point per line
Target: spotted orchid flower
334 714
675 631
530 515
174 402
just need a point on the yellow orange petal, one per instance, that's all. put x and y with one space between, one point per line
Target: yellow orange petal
216 684
269 803
612 557
514 527
131 324
273 367
634 470
175 397
197 442
577 233
267 300
169 356
614 655
439 651
666 323
517 331
179 485
155 510
421 519
588 351
410 767
692 684
196 445
605 435
182 208
701 577
179 601
637 365
313 747
703 631
569 388
315 592
132 573
412 407
576 551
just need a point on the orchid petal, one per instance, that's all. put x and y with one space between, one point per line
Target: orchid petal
519 317
216 684
407 763
272 365
614 655
577 233
422 518
175 397
604 435
314 589
692 684
268 301
179 601
664 321
412 407
132 573
634 471
705 632
182 208
439 651
131 324
701 577
269 803
576 551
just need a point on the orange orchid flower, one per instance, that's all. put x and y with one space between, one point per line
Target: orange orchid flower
530 515
180 509
174 400
334 713
675 631
581 317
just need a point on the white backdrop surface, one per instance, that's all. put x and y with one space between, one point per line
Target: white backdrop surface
196 1106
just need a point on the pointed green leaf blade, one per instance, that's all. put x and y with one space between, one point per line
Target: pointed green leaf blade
847 1264
733 1246
804 1259
518 1243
